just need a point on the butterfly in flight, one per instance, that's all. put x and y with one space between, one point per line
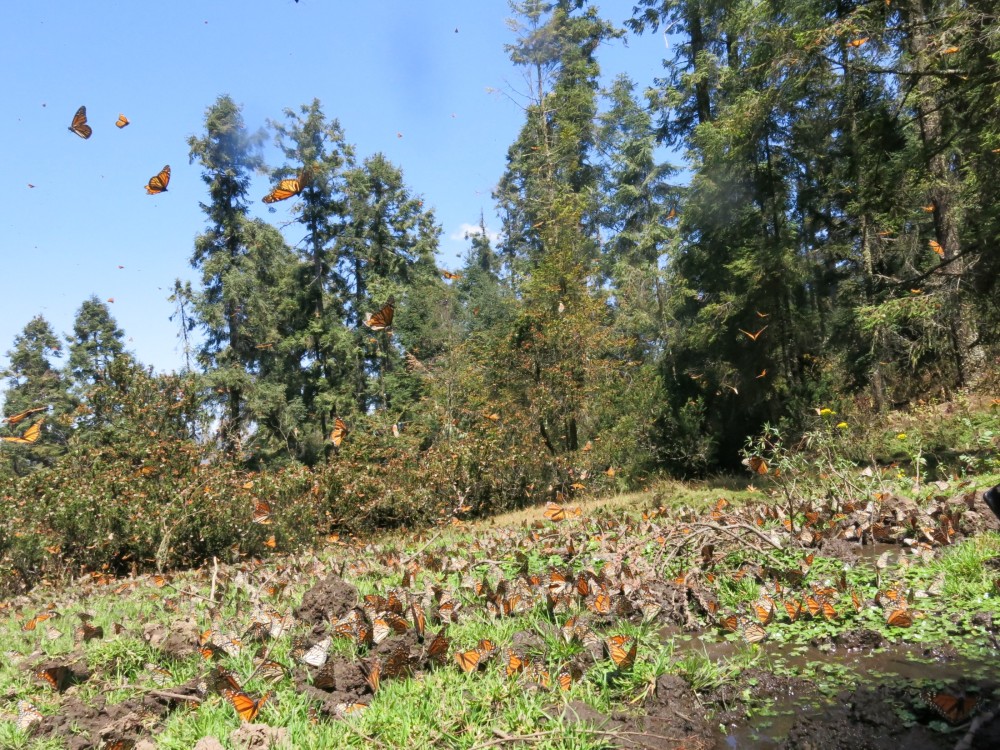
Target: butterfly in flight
284 190
122 121
381 320
17 418
79 124
754 336
338 433
30 435
158 182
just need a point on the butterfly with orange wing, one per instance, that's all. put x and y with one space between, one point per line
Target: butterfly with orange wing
158 182
381 320
79 124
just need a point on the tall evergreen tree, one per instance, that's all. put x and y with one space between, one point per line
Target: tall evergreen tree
34 382
229 155
317 152
94 344
385 251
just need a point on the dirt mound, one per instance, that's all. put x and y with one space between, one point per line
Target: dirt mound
81 726
327 601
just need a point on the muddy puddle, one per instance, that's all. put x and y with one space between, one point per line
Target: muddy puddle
891 698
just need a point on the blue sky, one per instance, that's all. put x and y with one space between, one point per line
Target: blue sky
444 106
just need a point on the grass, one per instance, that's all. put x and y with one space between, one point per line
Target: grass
484 707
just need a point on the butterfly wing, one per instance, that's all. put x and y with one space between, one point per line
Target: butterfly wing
79 124
339 433
30 435
283 191
383 318
122 121
158 182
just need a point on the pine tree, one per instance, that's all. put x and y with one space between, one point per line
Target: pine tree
229 156
34 382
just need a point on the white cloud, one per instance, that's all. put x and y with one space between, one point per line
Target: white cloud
473 229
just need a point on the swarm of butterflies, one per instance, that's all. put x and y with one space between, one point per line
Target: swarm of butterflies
158 182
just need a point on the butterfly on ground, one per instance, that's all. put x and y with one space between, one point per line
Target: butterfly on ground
18 418
954 709
284 190
27 715
79 124
158 182
753 336
338 433
381 320
122 121
245 706
557 512
57 677
30 435
623 657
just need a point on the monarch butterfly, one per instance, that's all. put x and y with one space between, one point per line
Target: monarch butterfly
437 651
764 609
599 604
245 706
419 619
753 336
794 608
756 464
157 674
41 617
820 605
79 124
158 182
87 632
122 743
316 655
18 418
567 676
535 672
753 632
468 660
27 715
858 42
373 674
222 679
270 542
339 433
954 709
271 670
450 275
344 709
30 435
388 622
57 677
350 625
261 512
122 121
516 662
283 191
730 623
556 512
382 319
898 618
616 650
